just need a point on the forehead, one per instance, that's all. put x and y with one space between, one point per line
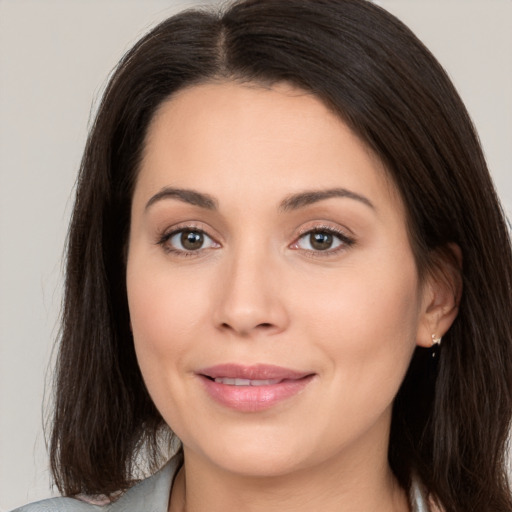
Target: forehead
231 137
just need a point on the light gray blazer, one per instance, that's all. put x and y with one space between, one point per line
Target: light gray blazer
152 495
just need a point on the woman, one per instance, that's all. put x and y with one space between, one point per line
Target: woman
287 251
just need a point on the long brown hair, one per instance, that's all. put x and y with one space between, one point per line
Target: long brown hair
452 414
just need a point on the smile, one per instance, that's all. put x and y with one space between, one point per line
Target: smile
246 382
252 388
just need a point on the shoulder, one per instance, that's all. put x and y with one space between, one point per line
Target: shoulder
150 495
58 505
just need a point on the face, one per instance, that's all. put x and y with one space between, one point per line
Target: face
274 298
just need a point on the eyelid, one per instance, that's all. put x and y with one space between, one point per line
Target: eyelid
324 225
193 225
165 235
347 240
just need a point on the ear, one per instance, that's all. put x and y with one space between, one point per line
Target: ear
442 290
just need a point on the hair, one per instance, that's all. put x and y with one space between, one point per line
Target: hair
452 414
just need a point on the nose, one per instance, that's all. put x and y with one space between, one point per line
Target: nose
250 297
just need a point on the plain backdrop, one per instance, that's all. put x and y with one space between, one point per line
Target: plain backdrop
55 56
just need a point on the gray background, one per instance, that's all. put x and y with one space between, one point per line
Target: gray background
54 60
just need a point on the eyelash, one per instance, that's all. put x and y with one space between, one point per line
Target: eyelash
346 241
166 236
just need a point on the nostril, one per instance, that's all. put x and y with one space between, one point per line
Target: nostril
264 327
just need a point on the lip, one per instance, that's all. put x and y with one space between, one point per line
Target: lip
259 396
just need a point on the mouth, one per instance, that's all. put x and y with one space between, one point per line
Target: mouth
254 373
253 388
245 382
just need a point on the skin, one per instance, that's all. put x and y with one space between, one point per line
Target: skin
257 291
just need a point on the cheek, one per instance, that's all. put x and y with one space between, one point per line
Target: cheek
363 325
365 319
168 316
167 310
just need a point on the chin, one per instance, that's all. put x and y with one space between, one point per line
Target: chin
257 463
252 452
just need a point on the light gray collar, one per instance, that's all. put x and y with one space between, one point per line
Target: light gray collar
152 494
418 497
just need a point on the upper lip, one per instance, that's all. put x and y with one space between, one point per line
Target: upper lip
252 372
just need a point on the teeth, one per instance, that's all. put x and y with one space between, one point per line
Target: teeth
246 382
265 382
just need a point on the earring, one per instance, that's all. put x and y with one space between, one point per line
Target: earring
436 342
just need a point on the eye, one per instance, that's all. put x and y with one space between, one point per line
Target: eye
186 241
323 240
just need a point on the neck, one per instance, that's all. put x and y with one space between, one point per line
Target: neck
340 484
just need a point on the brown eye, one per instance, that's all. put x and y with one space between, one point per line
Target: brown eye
187 241
191 240
321 241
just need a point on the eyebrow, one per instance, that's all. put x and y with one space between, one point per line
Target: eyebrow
290 203
302 199
185 195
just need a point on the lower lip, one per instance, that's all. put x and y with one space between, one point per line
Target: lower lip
254 398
